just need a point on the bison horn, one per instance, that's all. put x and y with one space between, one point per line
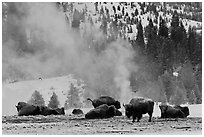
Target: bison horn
123 105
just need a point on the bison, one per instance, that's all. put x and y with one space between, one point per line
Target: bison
25 109
184 109
170 112
102 111
105 100
77 111
44 110
139 106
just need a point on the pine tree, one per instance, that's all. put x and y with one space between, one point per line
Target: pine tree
36 99
189 82
152 41
54 103
123 11
136 12
168 85
194 46
179 93
114 9
140 37
175 28
163 30
73 100
104 24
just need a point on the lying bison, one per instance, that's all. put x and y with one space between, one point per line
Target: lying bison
102 111
77 111
184 109
105 100
139 106
25 109
170 112
44 110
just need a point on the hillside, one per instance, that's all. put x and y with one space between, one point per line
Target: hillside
118 49
12 93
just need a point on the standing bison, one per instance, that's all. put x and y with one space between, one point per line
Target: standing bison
102 111
139 106
171 112
105 100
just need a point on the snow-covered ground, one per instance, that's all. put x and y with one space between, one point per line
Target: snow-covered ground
22 91
12 93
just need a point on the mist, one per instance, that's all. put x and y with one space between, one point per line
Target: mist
52 48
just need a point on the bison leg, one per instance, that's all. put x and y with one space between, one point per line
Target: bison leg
150 116
133 118
139 117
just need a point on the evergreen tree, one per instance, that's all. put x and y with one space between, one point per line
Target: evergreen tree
179 92
163 29
101 11
175 28
73 100
189 82
123 11
165 53
54 103
36 99
152 41
77 16
194 46
136 12
168 85
140 37
118 7
114 9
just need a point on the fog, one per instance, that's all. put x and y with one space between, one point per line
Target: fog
40 43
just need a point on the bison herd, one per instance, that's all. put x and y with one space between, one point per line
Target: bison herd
25 109
106 107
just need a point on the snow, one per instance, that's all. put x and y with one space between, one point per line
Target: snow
21 91
144 18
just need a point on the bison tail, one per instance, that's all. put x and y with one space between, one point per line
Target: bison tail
90 100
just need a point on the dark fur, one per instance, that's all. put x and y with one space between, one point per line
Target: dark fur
105 100
25 109
77 111
44 110
170 112
139 106
184 109
102 111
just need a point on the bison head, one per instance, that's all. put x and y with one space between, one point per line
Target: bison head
21 105
111 111
128 110
163 108
117 104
